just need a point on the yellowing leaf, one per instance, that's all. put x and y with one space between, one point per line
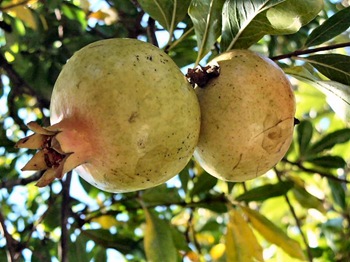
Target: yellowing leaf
108 16
193 257
205 238
106 221
217 251
99 15
159 244
241 243
274 234
23 13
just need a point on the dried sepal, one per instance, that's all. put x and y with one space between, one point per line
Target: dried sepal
37 162
47 178
34 141
50 156
38 129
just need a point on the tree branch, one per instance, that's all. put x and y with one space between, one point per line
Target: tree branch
310 51
65 211
151 32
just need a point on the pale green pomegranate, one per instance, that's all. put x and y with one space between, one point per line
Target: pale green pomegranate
122 114
247 117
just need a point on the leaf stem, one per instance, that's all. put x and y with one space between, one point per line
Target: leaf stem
172 25
205 36
310 51
179 40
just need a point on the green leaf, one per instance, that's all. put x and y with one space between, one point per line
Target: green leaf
74 13
266 191
338 193
89 189
106 239
213 206
184 52
203 183
332 27
334 66
274 234
307 200
304 133
246 22
288 17
241 243
330 140
328 161
79 247
168 13
161 195
184 177
159 244
206 18
98 252
52 220
179 239
338 95
237 15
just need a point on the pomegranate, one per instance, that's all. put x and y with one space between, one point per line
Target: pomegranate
247 117
122 114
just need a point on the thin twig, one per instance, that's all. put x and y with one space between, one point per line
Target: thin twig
179 40
10 242
310 51
19 86
314 171
297 221
20 181
65 211
191 229
33 226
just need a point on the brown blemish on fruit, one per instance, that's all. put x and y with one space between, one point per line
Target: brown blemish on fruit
274 137
239 161
133 117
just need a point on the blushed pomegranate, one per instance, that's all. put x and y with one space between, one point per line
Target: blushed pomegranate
122 114
247 117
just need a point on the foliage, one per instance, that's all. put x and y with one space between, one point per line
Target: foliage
300 210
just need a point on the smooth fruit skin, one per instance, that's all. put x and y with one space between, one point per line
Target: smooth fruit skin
126 113
247 117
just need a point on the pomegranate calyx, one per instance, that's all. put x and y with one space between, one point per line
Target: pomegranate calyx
50 156
201 75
